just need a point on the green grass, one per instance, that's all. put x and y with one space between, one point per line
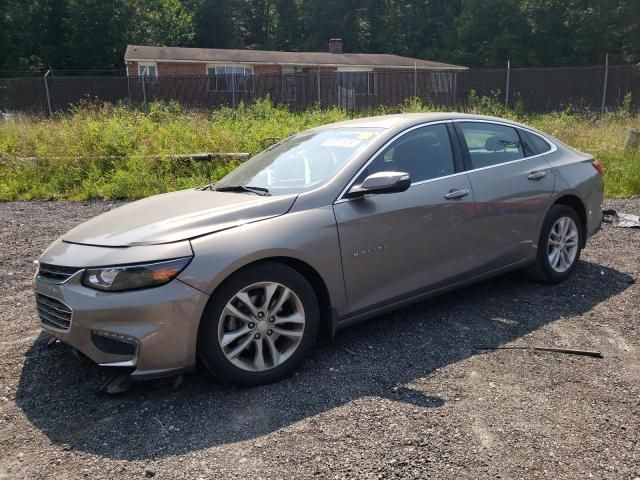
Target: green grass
68 146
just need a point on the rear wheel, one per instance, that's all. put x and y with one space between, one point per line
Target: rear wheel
559 246
259 325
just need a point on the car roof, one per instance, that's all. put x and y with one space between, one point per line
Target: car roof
402 120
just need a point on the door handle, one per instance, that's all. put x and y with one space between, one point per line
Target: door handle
456 194
537 175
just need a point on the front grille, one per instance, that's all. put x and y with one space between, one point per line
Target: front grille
53 313
54 273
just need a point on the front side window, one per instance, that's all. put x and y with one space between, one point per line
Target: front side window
424 153
229 79
301 162
491 144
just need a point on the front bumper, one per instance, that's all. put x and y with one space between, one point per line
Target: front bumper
160 324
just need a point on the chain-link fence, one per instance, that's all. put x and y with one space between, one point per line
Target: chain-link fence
533 90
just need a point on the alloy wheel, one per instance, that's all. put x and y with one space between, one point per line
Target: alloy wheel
261 326
562 247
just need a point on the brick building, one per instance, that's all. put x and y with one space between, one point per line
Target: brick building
339 78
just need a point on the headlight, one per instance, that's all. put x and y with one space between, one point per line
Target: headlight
131 277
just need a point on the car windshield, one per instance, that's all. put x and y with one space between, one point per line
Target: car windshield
299 163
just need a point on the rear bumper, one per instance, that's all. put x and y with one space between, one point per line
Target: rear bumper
153 331
597 225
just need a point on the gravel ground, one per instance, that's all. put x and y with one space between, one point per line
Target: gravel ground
403 396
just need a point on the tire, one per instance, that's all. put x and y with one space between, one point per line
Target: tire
543 269
228 315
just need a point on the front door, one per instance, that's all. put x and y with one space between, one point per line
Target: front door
400 244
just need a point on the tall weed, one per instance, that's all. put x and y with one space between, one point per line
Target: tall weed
116 151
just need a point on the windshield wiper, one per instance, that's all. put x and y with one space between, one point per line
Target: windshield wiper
243 188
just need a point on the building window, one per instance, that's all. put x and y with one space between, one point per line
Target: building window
148 71
357 82
290 86
441 81
292 83
229 78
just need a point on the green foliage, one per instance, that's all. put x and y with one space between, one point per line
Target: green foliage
160 22
92 34
107 151
491 31
487 105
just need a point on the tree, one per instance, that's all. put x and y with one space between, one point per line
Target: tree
322 20
216 24
25 33
257 23
160 22
96 33
93 34
286 35
428 26
491 31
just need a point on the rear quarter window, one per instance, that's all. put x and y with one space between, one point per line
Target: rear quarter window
534 144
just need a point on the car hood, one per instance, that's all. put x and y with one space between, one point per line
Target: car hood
176 216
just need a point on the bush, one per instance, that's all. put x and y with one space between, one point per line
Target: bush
116 151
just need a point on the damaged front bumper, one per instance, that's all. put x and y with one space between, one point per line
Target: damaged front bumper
152 331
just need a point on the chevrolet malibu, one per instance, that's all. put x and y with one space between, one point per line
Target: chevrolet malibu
326 228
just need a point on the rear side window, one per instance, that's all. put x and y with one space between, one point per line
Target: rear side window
491 144
533 144
424 153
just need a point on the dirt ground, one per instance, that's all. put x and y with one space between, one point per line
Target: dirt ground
406 395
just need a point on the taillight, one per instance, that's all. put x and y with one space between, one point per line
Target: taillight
597 166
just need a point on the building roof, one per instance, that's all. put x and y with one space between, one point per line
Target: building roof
266 57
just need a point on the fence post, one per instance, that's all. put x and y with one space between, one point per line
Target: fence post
46 90
144 93
233 90
318 81
604 88
508 89
415 79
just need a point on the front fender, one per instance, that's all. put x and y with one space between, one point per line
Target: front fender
309 236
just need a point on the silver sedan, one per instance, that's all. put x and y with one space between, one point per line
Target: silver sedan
329 227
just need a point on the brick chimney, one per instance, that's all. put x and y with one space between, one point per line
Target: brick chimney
335 45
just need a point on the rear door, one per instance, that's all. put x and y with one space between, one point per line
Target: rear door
512 184
396 245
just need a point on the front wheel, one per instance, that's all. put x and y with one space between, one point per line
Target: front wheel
559 246
259 325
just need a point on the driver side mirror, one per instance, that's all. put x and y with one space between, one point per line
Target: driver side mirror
381 182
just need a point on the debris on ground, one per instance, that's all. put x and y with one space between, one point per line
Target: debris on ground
566 351
349 351
117 383
621 220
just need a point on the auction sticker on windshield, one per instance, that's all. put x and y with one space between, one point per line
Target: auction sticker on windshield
341 142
